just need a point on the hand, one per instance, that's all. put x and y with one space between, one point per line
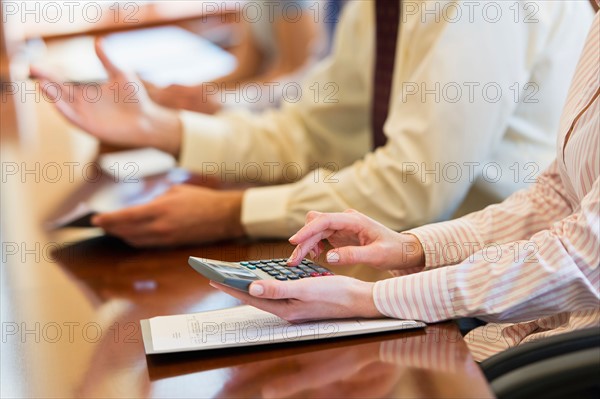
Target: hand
356 238
117 112
329 297
192 98
183 215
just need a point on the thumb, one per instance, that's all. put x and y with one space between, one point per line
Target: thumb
351 255
271 289
110 67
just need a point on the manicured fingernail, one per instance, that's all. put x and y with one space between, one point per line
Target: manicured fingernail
293 256
333 257
256 289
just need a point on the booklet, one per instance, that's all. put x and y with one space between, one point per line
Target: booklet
247 325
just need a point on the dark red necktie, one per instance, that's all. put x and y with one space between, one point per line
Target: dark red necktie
387 18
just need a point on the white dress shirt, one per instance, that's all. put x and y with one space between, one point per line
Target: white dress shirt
497 77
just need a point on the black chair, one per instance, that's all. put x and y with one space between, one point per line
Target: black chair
566 365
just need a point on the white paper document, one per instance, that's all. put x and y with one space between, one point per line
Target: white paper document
246 325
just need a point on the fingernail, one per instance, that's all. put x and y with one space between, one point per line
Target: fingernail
256 289
95 220
293 255
293 238
333 257
312 253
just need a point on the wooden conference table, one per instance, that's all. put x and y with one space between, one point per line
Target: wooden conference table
72 301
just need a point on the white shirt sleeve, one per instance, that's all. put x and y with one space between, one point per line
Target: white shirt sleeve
458 96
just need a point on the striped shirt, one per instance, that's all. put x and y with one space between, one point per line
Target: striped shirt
529 265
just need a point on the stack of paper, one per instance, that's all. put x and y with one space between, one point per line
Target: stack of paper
246 325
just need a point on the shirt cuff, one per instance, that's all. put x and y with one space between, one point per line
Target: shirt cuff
446 243
265 212
202 141
423 296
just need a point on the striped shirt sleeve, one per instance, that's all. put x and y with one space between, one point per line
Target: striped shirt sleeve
555 271
517 218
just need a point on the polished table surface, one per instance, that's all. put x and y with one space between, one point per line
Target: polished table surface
71 301
73 331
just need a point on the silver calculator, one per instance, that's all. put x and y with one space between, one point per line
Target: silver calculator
240 275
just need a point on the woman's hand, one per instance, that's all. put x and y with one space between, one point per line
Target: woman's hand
356 238
328 297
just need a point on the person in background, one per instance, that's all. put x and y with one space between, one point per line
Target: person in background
530 265
410 111
277 45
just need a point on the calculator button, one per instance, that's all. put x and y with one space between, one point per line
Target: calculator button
244 263
272 264
293 277
315 274
284 264
303 275
273 272
265 261
326 274
251 267
321 269
266 268
280 277
286 272
306 262
279 268
254 262
295 270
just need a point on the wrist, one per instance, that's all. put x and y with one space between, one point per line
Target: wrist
164 129
233 206
363 293
211 106
413 254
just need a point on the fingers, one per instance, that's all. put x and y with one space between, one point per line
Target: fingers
54 93
132 215
352 255
310 245
321 226
327 221
110 67
40 74
279 308
133 224
273 289
241 295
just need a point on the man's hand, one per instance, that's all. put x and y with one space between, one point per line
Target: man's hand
117 112
191 98
356 239
330 297
183 215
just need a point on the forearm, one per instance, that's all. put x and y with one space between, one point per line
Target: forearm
517 218
554 271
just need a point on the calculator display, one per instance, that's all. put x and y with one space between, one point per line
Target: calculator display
233 270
